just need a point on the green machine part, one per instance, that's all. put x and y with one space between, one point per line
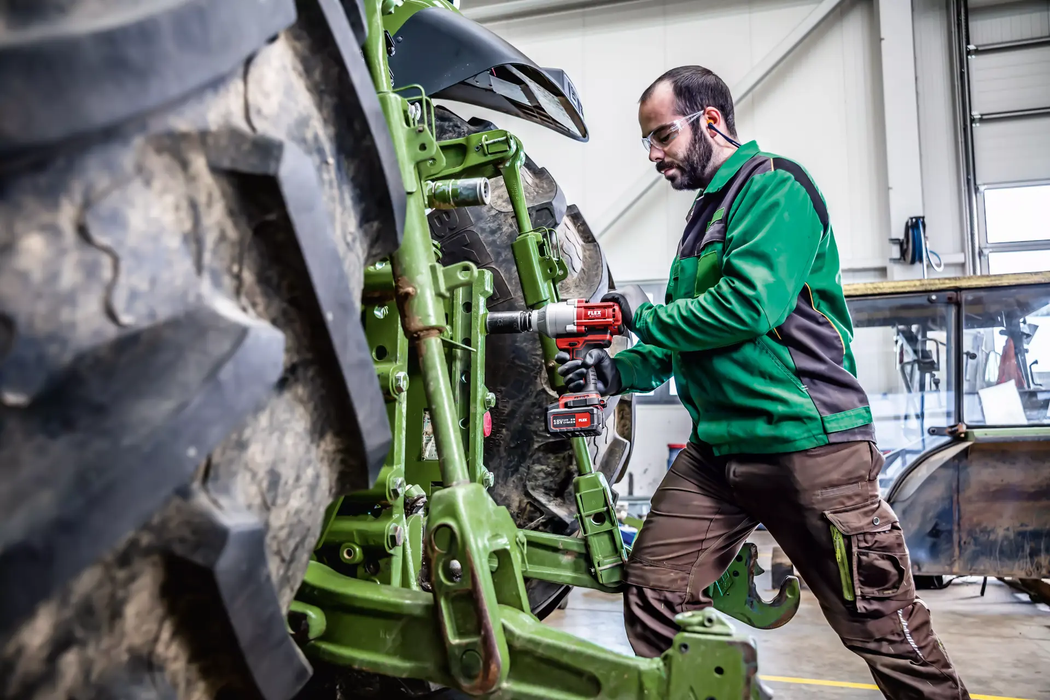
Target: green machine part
422 574
706 660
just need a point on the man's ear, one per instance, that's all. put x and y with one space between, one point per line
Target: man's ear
712 116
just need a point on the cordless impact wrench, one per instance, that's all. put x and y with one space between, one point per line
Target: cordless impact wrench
577 326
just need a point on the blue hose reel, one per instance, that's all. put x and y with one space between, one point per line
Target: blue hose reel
913 248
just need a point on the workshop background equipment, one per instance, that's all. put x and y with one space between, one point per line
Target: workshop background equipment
966 478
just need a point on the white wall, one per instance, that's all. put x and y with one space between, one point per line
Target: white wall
822 107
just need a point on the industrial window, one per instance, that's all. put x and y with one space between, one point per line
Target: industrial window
1018 261
1016 214
1017 228
1002 52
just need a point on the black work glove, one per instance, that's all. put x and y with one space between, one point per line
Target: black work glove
629 299
575 371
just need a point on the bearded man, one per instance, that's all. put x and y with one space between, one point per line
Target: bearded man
755 330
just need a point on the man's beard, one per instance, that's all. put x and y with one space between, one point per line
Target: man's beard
691 172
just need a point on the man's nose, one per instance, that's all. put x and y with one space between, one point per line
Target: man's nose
656 154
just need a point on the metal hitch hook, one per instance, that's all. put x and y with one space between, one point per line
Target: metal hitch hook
734 593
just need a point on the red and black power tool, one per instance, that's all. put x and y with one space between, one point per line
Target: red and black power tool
577 326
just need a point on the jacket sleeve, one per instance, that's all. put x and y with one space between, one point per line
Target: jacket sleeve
771 241
642 368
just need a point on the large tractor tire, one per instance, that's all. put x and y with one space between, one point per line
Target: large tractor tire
189 194
533 471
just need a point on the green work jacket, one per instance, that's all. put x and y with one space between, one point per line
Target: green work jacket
754 326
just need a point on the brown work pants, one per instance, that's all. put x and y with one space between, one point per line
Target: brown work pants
707 506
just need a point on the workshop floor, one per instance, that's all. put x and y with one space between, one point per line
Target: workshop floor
999 643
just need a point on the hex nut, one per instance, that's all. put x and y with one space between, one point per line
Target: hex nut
395 537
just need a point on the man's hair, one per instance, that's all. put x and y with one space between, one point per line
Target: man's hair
696 88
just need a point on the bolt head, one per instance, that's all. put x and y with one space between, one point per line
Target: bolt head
400 383
397 487
396 537
455 570
488 480
490 400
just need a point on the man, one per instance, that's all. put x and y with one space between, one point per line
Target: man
755 330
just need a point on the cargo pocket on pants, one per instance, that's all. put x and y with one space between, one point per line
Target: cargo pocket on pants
871 554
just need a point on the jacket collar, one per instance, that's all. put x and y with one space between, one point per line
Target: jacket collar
731 166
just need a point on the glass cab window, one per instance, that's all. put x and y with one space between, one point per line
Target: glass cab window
903 349
1007 355
914 352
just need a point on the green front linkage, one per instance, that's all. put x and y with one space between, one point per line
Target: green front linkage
423 574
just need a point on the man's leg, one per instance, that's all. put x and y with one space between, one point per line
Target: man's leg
823 508
689 538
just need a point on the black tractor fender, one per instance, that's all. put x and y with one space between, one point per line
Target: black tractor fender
451 57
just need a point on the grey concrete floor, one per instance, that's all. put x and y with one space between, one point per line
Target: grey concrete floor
999 643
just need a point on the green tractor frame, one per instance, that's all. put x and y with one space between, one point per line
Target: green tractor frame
423 575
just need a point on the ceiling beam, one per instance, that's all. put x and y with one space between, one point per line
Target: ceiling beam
517 9
634 194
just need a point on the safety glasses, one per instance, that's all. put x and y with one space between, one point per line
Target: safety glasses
667 133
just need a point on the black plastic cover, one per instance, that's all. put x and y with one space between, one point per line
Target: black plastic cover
480 68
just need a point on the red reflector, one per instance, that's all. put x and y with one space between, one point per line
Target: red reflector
486 422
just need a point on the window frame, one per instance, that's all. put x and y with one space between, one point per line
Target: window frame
987 248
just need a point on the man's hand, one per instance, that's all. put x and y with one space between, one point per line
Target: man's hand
629 299
575 371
